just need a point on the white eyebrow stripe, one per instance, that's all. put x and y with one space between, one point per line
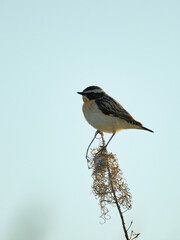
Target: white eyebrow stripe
94 91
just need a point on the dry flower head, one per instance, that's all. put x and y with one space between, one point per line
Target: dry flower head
99 162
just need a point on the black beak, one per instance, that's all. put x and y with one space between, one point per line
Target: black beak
81 93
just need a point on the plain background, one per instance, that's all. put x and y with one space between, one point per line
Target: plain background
49 51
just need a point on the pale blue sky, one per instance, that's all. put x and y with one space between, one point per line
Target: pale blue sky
49 51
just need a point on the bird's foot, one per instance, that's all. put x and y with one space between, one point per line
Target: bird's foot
102 150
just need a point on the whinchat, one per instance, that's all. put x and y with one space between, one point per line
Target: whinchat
105 114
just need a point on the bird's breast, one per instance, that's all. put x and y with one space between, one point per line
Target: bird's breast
98 120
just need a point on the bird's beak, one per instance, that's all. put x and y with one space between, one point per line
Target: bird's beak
81 93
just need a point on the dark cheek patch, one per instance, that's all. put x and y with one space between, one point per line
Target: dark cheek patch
93 96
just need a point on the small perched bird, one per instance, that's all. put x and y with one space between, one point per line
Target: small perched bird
106 114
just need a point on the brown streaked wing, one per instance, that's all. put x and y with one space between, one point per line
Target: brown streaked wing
109 106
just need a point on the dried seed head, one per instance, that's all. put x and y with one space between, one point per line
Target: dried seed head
102 188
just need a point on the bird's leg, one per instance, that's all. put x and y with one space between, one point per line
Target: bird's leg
109 140
102 137
96 133
103 148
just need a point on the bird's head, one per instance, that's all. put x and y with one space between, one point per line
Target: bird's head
92 93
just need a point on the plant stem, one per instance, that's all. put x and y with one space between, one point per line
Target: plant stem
115 198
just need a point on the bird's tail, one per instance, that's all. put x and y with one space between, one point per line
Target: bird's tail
147 129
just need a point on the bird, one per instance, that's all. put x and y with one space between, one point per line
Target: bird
105 114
